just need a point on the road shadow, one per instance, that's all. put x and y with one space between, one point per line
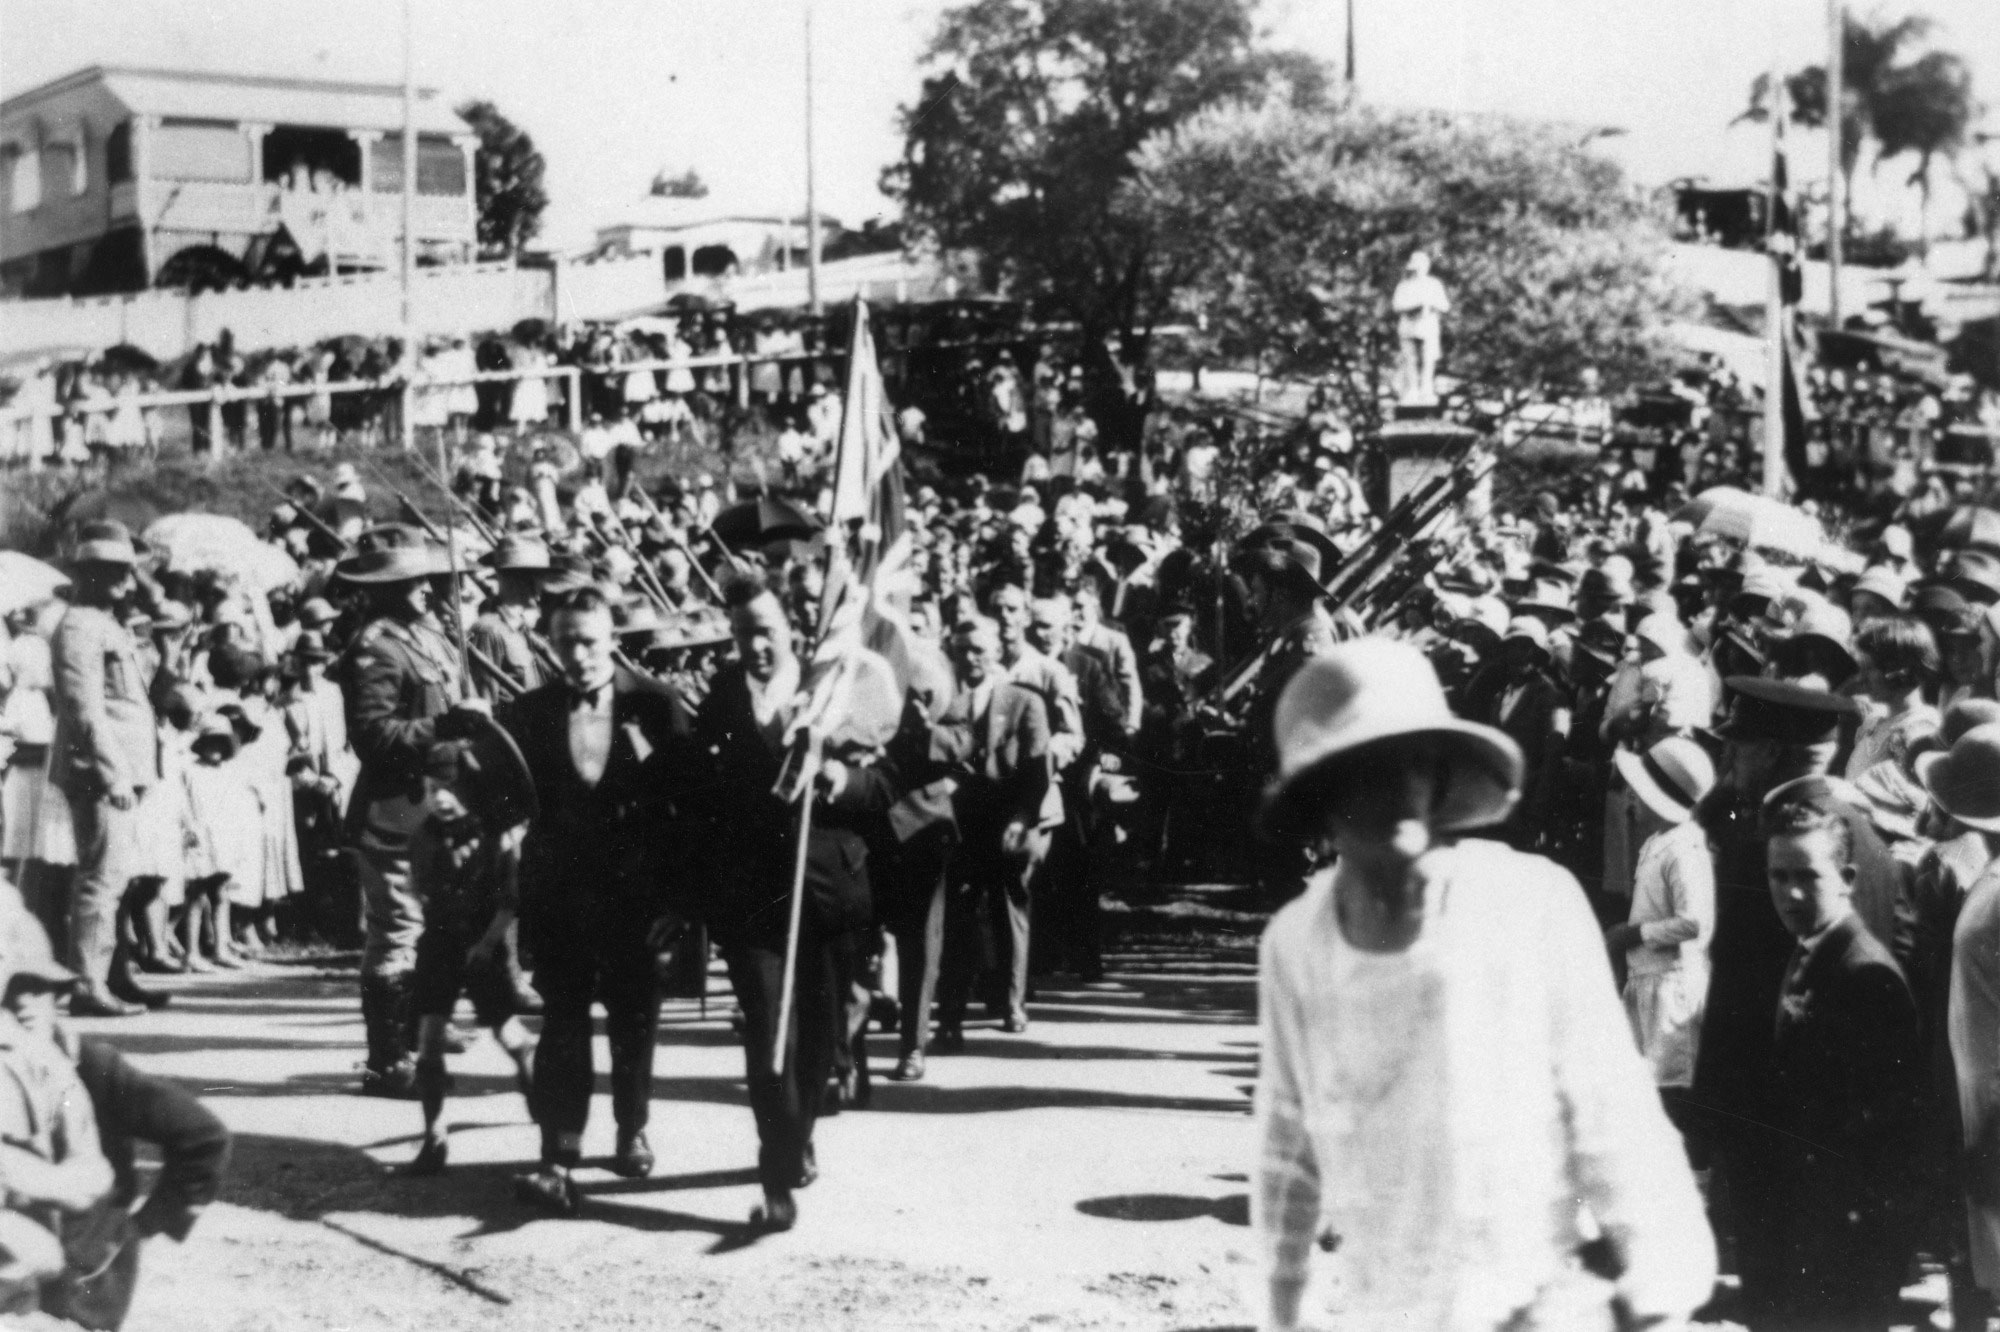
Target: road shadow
307 1180
1232 1209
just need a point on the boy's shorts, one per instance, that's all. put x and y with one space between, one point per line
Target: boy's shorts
443 974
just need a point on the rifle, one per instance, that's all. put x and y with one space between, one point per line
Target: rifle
468 510
409 506
305 512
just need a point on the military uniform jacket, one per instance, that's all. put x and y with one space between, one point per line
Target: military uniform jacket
400 677
508 648
105 733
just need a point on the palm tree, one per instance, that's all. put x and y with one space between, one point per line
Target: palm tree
1925 108
1872 60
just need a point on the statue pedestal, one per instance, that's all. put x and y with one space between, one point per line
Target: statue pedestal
1419 448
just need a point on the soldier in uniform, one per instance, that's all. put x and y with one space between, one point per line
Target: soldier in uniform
501 635
403 685
1283 572
106 753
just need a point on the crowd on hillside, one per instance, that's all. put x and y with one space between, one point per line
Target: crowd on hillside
206 761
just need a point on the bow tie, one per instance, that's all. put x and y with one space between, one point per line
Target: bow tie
591 699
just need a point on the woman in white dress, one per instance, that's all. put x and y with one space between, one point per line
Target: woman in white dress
530 405
37 841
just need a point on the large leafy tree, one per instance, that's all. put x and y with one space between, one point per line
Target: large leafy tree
687 185
1029 123
1926 110
1295 225
508 175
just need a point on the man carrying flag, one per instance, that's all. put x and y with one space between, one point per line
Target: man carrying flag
800 771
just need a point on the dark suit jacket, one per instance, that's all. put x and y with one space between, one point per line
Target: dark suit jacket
1846 1055
615 842
1002 768
747 837
1099 693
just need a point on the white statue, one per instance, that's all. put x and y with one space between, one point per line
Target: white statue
1420 304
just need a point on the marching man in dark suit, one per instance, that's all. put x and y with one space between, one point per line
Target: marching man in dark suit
995 739
743 893
604 747
1844 1084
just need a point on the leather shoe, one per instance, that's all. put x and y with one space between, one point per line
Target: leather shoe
429 1160
1016 1023
910 1068
635 1156
949 1040
98 1004
398 1082
808 1167
124 987
549 1189
779 1213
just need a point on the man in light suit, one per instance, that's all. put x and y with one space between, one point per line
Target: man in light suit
106 753
994 738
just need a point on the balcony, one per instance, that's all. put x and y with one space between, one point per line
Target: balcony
351 220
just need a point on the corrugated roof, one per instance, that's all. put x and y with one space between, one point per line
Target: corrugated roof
261 99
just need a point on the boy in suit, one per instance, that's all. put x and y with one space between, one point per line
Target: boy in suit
1844 1083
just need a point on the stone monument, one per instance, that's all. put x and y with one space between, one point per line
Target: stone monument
1420 304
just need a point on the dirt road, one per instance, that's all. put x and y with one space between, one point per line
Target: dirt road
1086 1174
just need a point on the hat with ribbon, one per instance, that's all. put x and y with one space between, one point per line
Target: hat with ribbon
1368 691
1975 572
1548 598
1883 582
105 542
1670 778
1965 780
392 553
1288 562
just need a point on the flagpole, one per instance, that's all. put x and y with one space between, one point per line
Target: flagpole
1836 202
1774 303
812 190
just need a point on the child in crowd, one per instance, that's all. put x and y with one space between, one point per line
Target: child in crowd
467 875
225 844
1899 663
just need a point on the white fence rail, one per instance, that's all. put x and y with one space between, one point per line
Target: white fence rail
458 299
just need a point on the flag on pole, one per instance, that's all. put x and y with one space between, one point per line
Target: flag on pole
868 461
1785 400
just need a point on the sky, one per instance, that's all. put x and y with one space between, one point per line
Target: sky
614 90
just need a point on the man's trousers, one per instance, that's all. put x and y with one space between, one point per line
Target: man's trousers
787 1103
107 847
602 955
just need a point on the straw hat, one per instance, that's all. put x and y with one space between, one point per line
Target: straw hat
1671 778
1375 689
1965 780
1288 562
1882 581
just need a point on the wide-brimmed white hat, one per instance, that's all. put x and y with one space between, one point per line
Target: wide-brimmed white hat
1375 689
1965 780
1671 778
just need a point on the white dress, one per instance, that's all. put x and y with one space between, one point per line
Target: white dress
1666 985
34 815
1973 1024
530 404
